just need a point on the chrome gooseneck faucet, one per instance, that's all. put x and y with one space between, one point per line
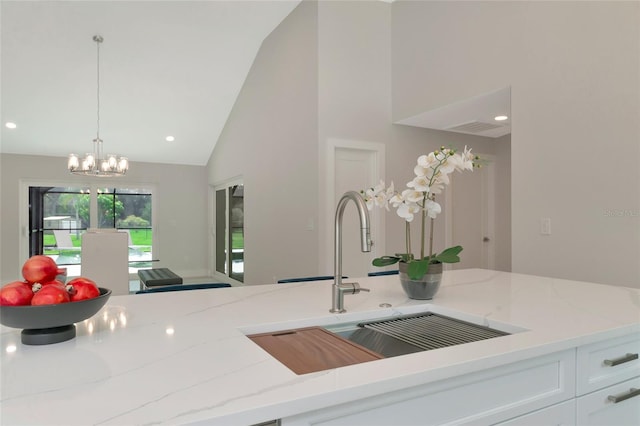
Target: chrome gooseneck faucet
339 289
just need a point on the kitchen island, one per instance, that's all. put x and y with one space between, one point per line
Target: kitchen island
184 357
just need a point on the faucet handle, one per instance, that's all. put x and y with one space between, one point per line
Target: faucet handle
354 288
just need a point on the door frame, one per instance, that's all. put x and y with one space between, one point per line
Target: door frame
328 195
487 211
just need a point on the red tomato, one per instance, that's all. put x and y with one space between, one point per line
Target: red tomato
50 295
39 269
16 293
82 288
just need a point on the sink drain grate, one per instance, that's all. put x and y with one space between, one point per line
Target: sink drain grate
432 331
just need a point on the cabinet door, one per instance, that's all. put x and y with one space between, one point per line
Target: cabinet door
563 414
598 408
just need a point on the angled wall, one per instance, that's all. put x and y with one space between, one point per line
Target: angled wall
270 141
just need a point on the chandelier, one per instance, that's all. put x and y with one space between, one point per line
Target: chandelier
96 163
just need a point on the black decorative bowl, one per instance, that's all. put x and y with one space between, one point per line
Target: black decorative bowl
45 324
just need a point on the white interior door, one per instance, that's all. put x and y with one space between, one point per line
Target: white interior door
473 217
357 168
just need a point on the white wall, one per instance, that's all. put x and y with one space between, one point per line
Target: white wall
354 102
180 202
573 68
270 140
502 237
336 58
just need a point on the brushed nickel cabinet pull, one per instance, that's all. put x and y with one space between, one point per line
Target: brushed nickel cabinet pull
621 360
619 398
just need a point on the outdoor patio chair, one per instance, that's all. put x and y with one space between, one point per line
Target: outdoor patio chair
63 239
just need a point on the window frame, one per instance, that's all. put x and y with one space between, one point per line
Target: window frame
226 276
24 218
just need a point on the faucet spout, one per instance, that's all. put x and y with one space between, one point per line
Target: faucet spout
365 242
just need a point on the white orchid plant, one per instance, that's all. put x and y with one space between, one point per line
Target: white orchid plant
431 176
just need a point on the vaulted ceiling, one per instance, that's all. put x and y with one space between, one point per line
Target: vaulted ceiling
167 68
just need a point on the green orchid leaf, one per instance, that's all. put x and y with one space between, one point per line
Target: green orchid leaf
449 255
417 269
405 257
385 261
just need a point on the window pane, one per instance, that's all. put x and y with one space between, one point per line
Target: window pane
109 208
236 222
59 216
221 229
129 210
64 215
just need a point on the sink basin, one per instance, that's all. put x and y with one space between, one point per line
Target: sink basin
320 344
405 334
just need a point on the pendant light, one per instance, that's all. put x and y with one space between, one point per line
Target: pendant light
95 163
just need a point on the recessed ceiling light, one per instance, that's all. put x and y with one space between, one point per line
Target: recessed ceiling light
170 139
501 117
10 125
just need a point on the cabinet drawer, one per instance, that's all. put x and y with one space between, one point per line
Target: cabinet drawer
605 363
559 414
598 408
481 398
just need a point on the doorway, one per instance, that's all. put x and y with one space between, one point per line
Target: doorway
473 216
355 166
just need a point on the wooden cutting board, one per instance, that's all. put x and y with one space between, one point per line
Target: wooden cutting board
310 349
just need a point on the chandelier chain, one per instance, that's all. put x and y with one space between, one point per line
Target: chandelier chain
98 40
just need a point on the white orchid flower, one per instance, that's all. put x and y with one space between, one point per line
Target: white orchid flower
462 162
441 179
447 166
419 183
369 198
433 209
412 196
436 188
467 159
457 162
428 161
421 171
396 200
389 193
376 196
407 211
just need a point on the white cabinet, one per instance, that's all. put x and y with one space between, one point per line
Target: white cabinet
482 398
563 414
596 384
606 363
615 405
608 384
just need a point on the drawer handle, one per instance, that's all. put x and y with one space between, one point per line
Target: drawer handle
619 398
621 360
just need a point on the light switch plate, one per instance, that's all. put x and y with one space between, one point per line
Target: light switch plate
545 226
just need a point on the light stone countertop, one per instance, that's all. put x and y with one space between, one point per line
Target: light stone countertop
183 357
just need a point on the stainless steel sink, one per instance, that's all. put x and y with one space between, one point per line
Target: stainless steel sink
401 335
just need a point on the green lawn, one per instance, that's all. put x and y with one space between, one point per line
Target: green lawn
139 237
237 239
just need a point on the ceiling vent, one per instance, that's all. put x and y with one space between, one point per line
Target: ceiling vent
473 127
